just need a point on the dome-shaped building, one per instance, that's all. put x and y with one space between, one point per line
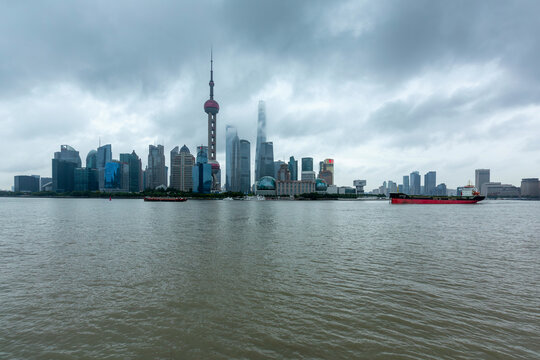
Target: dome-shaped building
266 186
320 185
91 159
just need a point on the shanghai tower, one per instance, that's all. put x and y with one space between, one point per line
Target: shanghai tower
211 107
261 138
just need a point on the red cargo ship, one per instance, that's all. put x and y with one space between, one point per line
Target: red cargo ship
171 199
468 195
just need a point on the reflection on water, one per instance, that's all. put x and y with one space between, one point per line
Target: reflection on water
258 279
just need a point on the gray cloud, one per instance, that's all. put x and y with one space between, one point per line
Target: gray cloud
341 79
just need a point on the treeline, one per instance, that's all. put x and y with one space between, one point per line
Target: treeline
125 195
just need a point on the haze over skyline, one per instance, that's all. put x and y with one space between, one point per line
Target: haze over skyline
384 88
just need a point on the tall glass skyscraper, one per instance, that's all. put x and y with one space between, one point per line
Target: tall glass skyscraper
266 163
104 155
293 168
245 166
261 138
134 177
202 172
63 168
182 169
430 183
91 159
157 170
232 157
405 189
414 187
307 164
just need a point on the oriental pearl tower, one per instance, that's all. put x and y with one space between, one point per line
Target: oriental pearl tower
211 107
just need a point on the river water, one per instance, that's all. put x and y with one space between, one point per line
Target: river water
92 278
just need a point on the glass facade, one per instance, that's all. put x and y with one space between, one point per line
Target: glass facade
113 175
266 183
26 183
320 185
245 166
261 138
307 164
104 155
293 168
91 159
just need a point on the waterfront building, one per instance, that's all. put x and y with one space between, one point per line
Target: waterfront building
211 107
134 173
293 168
498 190
308 176
266 186
245 166
232 159
26 183
261 138
392 187
266 161
346 190
530 187
321 186
359 185
307 164
326 171
441 190
283 173
294 187
182 163
415 188
157 171
405 188
430 182
91 159
86 179
202 172
104 155
481 176
63 168
45 181
277 165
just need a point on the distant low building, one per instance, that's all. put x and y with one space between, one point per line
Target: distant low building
26 183
359 185
346 190
294 187
530 187
496 189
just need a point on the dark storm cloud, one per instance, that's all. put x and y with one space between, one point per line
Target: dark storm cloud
136 72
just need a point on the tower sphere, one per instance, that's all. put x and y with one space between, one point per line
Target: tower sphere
211 107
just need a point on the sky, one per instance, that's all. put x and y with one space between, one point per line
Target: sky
382 87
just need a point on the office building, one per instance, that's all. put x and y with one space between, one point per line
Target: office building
308 176
91 159
63 168
182 163
261 138
359 185
245 166
481 176
202 172
292 187
26 183
104 155
441 190
405 188
134 174
293 168
326 171
86 179
277 165
266 160
430 182
307 164
415 186
530 187
498 190
283 173
232 159
44 182
157 171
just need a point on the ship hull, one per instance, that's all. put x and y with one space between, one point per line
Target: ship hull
398 198
164 199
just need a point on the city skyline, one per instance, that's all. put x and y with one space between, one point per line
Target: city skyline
444 94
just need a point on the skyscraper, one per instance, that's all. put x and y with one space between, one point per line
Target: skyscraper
481 176
232 159
430 182
245 166
277 165
26 183
307 164
104 155
134 171
182 169
91 159
326 171
63 168
202 172
157 171
293 168
414 187
211 107
266 163
405 189
261 138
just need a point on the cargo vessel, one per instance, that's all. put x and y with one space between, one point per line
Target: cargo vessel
468 195
170 199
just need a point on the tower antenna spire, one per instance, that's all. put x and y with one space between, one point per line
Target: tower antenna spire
211 74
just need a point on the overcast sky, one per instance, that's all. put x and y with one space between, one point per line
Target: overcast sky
383 87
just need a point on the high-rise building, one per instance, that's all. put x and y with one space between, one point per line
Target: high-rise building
307 164
293 168
481 176
211 107
63 168
104 155
202 172
277 165
261 138
182 163
134 171
326 171
441 190
283 173
232 159
308 176
26 183
430 182
245 166
266 161
114 175
405 189
86 179
415 186
359 185
91 159
530 187
157 171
